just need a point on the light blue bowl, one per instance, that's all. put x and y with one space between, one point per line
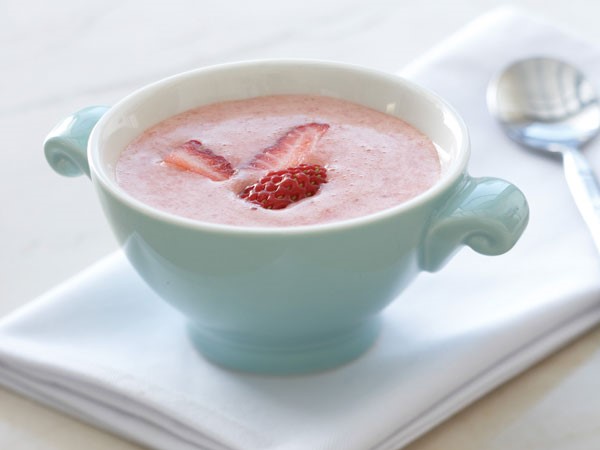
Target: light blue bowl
298 299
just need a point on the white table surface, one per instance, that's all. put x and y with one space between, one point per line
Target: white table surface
61 55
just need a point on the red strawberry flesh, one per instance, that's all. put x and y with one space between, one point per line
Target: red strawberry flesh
195 157
279 189
291 149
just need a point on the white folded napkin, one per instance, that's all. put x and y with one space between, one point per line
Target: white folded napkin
105 349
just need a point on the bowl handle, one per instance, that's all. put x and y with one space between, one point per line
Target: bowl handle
65 146
487 214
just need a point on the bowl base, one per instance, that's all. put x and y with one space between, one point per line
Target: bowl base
280 359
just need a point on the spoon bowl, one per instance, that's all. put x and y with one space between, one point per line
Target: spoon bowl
545 104
548 105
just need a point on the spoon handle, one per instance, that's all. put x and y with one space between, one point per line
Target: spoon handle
585 189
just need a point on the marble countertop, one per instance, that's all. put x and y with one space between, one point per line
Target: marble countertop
57 57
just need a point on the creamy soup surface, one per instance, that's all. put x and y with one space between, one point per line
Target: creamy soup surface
373 161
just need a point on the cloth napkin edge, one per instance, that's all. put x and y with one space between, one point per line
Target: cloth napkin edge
495 376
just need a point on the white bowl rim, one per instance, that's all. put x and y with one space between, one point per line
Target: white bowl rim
99 175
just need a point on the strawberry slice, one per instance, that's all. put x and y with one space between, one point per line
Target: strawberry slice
195 157
291 149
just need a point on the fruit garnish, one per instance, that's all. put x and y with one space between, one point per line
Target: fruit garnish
195 157
280 188
291 149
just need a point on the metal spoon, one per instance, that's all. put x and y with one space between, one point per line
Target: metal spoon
548 105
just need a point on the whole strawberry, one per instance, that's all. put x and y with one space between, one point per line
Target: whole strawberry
280 188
